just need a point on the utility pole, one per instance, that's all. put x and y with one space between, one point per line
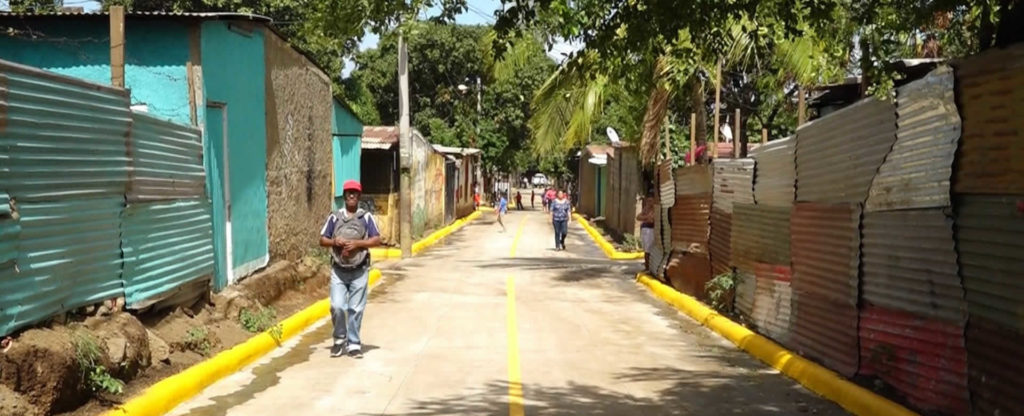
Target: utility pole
404 151
117 46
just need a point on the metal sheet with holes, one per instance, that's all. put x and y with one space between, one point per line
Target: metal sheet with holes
733 182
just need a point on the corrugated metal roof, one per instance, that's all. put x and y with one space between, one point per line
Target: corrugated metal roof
825 330
773 302
992 149
734 182
691 222
746 290
826 250
837 156
694 179
909 264
989 232
775 173
166 161
449 150
69 256
205 15
166 245
721 226
995 363
925 360
917 172
61 137
760 234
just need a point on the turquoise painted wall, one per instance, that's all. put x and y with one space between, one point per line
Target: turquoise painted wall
233 73
155 55
347 140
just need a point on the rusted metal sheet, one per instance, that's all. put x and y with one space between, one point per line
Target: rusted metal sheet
663 242
773 301
62 137
917 172
667 185
759 234
746 290
167 245
694 179
838 155
991 154
995 361
775 173
825 330
925 360
166 161
909 264
689 273
734 182
990 232
826 250
721 226
69 256
691 222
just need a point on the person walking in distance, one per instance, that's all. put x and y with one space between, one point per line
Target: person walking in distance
560 208
502 210
349 233
646 218
519 200
533 194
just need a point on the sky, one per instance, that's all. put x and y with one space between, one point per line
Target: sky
480 12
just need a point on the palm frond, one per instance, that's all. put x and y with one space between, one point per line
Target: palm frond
565 107
657 108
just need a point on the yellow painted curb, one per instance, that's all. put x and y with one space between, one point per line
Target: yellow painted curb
818 379
380 253
163 396
608 248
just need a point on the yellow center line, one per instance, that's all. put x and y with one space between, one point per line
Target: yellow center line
515 380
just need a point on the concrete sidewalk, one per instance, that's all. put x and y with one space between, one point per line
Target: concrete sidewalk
586 340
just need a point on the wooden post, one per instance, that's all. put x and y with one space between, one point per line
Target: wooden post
739 146
693 139
117 46
764 136
718 104
801 114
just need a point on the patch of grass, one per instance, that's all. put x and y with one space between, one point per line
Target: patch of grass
197 339
88 355
257 320
631 243
718 289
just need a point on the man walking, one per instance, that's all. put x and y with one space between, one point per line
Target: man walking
646 218
560 208
502 210
519 200
349 233
533 194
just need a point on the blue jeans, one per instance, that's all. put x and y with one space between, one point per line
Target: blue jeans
348 300
561 229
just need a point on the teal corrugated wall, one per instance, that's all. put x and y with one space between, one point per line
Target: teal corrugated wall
347 141
63 161
9 232
166 161
166 245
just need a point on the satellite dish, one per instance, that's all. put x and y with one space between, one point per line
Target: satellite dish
727 132
612 135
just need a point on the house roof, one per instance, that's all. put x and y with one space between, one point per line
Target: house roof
600 149
449 150
380 137
191 15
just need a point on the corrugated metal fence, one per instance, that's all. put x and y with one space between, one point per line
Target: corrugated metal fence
72 154
892 274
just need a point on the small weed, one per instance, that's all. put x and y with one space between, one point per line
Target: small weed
277 333
257 320
88 354
197 339
630 243
719 287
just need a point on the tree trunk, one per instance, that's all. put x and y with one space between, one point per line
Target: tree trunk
697 103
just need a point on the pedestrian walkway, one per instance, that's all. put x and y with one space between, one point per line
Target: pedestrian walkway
456 330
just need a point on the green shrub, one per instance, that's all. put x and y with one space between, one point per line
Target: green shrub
718 289
197 339
257 320
88 355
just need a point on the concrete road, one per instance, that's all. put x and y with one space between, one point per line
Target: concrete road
496 323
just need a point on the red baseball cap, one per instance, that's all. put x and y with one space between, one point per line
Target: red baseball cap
352 185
